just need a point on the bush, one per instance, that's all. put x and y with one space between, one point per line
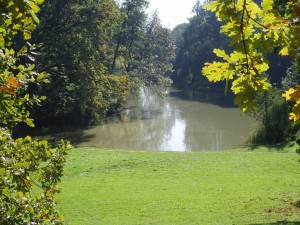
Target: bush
30 172
273 113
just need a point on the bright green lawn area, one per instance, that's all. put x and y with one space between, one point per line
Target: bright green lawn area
260 186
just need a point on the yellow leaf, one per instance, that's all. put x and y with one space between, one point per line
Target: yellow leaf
212 6
215 71
269 19
284 51
221 53
267 5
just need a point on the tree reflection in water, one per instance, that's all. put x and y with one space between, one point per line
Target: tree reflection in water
174 123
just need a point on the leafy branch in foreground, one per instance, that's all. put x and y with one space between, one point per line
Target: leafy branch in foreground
29 170
254 30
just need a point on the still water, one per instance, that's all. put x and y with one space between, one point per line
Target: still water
180 121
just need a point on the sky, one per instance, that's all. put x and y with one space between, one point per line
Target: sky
172 12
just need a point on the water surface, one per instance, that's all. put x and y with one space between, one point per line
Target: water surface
181 121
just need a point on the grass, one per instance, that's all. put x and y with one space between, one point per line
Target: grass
253 186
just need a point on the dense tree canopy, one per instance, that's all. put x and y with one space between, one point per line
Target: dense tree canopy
75 44
94 52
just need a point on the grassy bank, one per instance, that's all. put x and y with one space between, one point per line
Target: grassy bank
257 186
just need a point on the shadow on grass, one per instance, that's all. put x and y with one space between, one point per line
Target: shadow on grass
278 223
75 137
279 147
55 134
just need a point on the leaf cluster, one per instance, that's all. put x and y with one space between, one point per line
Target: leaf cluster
16 16
254 30
30 172
14 81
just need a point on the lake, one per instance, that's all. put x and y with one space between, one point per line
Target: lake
180 121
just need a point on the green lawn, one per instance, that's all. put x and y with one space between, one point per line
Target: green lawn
257 186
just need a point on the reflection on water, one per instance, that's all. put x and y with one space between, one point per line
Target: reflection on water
181 121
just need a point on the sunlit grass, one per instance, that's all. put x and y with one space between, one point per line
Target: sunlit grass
239 187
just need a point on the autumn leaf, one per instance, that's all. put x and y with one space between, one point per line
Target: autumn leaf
11 86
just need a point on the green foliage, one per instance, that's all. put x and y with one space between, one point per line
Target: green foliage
115 91
24 163
15 77
15 17
30 172
195 44
76 51
273 113
155 54
129 34
254 30
178 32
144 49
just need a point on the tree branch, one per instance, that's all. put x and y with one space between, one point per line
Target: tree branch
243 35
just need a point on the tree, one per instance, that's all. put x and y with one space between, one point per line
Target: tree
30 171
76 49
254 30
129 34
144 48
153 59
178 34
273 114
200 37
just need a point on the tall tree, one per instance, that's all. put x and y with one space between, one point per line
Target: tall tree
144 48
127 39
153 59
76 51
200 37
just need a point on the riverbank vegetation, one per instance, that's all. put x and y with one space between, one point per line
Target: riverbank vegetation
244 186
95 52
